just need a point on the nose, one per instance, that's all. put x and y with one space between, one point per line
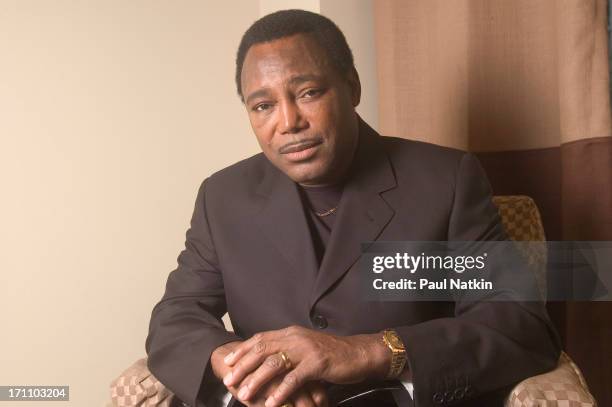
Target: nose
291 119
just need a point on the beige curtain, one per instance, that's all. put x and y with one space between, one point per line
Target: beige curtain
525 85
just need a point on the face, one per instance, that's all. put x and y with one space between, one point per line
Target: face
301 110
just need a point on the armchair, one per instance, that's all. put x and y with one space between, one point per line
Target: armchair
564 386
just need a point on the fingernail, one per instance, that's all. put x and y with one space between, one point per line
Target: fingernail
227 379
228 357
269 402
243 393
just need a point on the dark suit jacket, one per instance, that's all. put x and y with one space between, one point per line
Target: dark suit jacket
249 252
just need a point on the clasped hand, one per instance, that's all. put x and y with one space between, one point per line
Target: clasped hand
293 362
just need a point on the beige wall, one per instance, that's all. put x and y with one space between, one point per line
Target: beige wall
355 19
270 6
111 114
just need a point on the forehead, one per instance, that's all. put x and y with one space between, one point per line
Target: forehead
268 63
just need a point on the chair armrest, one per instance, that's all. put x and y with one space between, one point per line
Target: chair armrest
137 387
563 386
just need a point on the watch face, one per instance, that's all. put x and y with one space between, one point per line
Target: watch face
394 340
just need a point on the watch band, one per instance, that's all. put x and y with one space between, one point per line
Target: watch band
398 353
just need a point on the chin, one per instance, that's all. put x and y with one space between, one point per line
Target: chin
302 178
312 176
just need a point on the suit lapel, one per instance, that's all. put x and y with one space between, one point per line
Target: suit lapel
282 220
362 213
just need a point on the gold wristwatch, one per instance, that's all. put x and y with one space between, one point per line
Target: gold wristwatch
398 356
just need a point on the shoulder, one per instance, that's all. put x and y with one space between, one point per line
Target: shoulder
419 150
237 180
429 161
250 167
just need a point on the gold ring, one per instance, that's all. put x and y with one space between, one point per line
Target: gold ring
287 363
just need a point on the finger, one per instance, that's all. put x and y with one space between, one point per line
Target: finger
247 345
272 366
319 396
268 335
240 350
303 399
291 383
263 352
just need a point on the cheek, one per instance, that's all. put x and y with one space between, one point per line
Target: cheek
262 130
327 114
325 119
322 112
264 141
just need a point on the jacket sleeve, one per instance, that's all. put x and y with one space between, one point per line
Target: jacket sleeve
186 324
488 346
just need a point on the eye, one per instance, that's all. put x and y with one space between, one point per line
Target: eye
310 93
261 107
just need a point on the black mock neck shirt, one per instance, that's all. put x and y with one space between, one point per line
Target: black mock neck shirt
318 201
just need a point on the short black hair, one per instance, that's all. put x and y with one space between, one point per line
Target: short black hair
286 23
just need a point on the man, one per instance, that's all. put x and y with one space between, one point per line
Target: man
274 241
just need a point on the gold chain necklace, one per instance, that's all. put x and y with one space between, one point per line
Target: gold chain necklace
326 213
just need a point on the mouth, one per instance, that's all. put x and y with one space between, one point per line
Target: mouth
300 151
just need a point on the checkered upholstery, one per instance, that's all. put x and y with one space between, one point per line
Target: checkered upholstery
137 387
562 387
565 386
521 219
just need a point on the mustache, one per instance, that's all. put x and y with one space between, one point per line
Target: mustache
299 145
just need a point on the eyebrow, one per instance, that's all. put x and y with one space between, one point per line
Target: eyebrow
256 94
296 80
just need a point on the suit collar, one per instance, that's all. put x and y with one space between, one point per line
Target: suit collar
362 214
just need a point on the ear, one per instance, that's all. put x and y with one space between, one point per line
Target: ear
355 86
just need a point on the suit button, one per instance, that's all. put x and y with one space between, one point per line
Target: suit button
319 321
438 398
448 396
459 393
